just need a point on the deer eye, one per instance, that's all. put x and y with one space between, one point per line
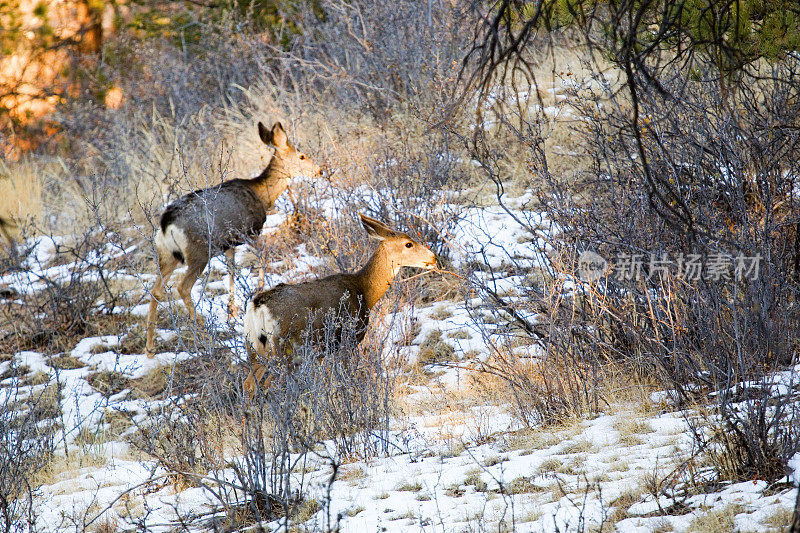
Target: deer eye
409 245
302 156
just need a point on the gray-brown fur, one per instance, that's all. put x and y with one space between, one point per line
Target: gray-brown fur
219 217
207 222
279 317
311 301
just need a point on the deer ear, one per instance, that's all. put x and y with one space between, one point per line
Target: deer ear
264 134
279 138
376 229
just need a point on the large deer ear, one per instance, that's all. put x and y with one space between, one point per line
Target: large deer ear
264 134
376 229
279 138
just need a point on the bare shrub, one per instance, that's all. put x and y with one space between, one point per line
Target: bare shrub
332 406
384 52
66 294
332 402
689 170
26 447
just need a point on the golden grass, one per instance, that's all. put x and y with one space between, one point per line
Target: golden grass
65 467
21 198
631 429
780 520
523 485
718 520
434 350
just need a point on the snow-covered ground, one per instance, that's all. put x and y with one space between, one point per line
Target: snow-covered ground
458 462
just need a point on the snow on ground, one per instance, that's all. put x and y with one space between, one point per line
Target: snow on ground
457 463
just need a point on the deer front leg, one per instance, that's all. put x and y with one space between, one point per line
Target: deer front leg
166 266
233 311
257 371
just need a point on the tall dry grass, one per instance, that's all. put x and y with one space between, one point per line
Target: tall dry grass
21 198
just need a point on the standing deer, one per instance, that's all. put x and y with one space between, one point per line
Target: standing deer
276 319
207 222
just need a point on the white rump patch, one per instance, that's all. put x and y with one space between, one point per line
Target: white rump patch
260 327
170 241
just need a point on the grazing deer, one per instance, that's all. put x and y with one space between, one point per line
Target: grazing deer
276 319
207 222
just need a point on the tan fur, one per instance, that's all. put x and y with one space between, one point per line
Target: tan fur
278 317
204 223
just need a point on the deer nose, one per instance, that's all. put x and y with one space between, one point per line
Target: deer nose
327 173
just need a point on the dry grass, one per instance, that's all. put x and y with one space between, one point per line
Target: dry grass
780 520
620 465
154 384
45 403
21 201
577 446
628 388
434 350
475 481
65 362
620 506
441 313
353 474
548 466
632 429
47 323
15 371
108 382
37 378
65 467
523 485
353 511
409 486
718 520
106 525
495 460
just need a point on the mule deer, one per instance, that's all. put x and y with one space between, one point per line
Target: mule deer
207 222
276 319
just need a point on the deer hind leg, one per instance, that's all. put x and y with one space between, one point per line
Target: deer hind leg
166 266
233 311
260 251
195 268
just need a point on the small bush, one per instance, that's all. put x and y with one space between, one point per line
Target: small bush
108 382
434 350
409 486
26 448
64 305
476 481
716 521
523 485
65 362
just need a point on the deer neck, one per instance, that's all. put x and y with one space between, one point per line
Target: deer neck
376 276
271 183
